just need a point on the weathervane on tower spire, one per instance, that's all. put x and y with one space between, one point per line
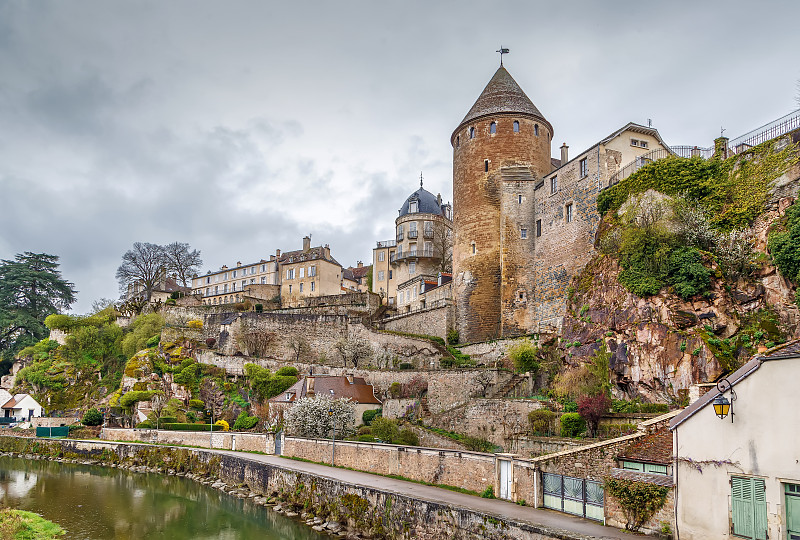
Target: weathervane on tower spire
502 51
420 178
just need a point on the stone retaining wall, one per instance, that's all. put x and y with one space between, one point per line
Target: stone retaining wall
430 322
363 509
48 421
468 470
224 440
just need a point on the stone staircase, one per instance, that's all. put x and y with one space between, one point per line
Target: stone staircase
510 388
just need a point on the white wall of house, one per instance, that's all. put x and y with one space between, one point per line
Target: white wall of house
22 410
763 442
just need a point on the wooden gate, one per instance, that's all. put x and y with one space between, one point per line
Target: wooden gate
577 496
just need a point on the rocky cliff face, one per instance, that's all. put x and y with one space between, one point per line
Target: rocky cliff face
662 344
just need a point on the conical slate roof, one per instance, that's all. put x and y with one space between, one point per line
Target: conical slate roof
502 95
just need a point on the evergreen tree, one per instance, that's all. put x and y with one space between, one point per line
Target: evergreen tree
31 288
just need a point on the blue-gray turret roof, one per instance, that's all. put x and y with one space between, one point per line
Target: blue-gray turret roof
427 203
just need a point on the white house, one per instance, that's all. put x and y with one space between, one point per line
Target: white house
739 476
22 407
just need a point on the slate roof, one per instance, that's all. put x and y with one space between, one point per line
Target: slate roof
653 448
360 272
313 253
502 95
358 390
428 203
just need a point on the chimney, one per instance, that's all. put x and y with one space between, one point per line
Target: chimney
310 386
238 264
327 250
277 254
359 264
564 153
306 243
224 267
349 378
439 199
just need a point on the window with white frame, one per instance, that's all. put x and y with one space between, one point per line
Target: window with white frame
381 256
312 286
263 280
302 272
380 275
225 288
312 271
290 273
553 184
413 207
583 170
412 267
569 212
263 267
244 283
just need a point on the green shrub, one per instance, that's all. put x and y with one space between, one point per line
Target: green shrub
385 429
368 416
259 308
407 437
687 274
142 329
572 425
134 396
287 371
395 389
144 425
167 420
406 365
197 404
541 421
365 438
244 422
476 444
639 500
452 336
525 357
92 417
195 324
488 493
153 341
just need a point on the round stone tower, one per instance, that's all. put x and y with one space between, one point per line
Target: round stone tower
502 129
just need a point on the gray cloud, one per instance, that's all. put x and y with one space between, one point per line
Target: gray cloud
240 127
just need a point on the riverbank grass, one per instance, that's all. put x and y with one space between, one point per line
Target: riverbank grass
22 525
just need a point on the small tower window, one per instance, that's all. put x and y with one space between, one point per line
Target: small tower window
472 133
569 213
493 127
523 233
536 129
538 227
474 249
458 141
516 126
485 165
519 199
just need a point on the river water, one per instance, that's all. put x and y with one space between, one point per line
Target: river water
96 503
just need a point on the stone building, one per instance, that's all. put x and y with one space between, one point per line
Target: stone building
420 252
229 285
524 223
308 272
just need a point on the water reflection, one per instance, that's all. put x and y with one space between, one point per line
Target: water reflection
95 503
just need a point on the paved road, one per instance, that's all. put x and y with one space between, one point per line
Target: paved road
494 507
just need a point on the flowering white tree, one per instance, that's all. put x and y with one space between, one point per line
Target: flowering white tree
310 417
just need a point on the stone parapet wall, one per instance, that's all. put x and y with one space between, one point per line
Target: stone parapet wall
541 446
226 440
468 470
431 322
48 421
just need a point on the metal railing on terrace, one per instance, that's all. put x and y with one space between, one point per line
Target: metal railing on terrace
413 254
776 128
412 233
386 243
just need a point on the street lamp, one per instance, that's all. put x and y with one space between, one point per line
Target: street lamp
333 441
721 404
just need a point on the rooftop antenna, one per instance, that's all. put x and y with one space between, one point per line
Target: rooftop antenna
502 51
649 122
721 131
420 178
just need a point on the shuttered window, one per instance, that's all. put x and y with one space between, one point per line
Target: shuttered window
749 508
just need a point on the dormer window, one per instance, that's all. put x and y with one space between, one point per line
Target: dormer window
516 126
413 207
493 128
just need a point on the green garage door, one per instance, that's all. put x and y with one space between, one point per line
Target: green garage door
749 508
793 511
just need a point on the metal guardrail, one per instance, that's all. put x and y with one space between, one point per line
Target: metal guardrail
776 128
387 243
413 254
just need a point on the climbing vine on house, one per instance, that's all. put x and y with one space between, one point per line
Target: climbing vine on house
639 500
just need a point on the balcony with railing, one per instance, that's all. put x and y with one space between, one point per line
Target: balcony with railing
412 233
400 236
386 243
428 233
413 254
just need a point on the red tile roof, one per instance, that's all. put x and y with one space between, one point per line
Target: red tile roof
653 448
358 390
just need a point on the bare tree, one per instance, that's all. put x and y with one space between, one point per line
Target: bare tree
483 381
256 342
299 345
443 246
182 261
141 266
353 350
213 396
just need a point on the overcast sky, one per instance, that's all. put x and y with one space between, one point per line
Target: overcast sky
241 126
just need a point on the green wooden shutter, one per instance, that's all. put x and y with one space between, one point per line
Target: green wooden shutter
793 511
749 508
742 506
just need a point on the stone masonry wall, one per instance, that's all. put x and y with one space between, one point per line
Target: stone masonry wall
225 440
500 421
431 322
468 470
